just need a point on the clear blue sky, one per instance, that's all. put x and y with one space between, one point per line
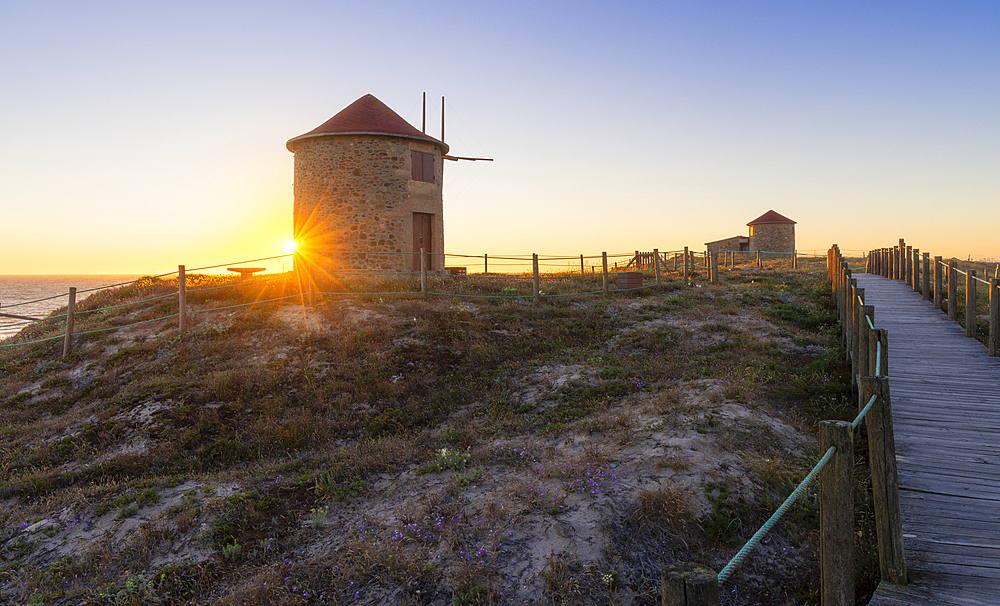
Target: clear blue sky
138 136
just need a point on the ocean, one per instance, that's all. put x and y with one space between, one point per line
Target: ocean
30 295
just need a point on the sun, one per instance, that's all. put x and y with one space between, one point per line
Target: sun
291 246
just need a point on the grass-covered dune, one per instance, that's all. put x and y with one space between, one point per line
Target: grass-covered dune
383 449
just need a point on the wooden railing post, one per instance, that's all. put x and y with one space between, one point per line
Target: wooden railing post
688 585
878 364
937 282
927 277
687 264
885 481
423 272
70 310
656 264
971 289
534 276
864 357
909 267
486 263
994 340
952 291
182 299
850 320
582 270
795 260
836 511
830 267
714 266
901 260
604 259
916 269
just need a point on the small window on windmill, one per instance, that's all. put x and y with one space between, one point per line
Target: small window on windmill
422 166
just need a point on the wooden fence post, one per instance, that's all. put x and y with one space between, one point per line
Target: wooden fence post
927 277
836 511
916 269
534 276
486 263
878 362
687 264
688 585
901 260
714 265
952 291
757 262
850 320
656 264
909 266
857 320
182 299
70 310
885 481
604 256
971 289
994 339
937 282
582 270
830 262
864 347
423 272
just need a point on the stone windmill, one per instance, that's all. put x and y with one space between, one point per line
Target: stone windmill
368 192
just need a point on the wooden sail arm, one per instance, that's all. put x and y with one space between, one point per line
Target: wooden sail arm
457 158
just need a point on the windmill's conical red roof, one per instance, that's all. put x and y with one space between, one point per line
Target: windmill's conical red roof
367 116
770 217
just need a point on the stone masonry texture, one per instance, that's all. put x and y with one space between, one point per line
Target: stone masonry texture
354 203
772 237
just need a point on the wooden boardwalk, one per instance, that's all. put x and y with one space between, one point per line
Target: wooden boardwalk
945 394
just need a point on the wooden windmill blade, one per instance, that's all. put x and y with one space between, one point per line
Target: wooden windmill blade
423 128
457 158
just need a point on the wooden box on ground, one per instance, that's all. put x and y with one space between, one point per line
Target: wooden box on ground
628 280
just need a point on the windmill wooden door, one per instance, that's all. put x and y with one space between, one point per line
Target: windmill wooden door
422 238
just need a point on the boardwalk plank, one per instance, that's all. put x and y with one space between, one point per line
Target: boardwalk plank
946 416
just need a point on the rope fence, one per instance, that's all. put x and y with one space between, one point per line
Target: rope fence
866 348
615 273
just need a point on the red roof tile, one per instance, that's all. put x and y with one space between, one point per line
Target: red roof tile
367 116
770 217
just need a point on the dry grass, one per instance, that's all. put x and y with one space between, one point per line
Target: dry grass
247 426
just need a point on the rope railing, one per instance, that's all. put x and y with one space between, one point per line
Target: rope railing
937 280
865 347
749 546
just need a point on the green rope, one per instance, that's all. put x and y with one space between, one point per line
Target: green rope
97 330
864 411
755 539
30 342
211 309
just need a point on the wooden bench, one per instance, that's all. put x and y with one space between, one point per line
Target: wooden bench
246 272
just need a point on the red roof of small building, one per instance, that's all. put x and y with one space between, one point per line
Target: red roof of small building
367 116
771 217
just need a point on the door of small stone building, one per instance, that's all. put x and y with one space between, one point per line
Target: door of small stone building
422 238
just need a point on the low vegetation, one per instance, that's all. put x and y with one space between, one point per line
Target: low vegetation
382 449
